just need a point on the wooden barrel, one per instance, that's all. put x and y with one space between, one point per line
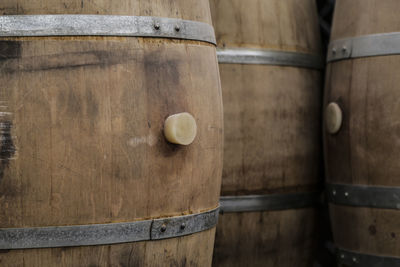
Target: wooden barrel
87 177
361 136
269 62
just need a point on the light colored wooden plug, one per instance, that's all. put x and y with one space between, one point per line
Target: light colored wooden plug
333 118
180 129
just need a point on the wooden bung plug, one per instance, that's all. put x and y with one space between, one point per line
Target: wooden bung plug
333 118
180 128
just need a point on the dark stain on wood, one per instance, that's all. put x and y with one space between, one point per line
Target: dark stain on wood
62 61
163 82
10 50
128 259
74 104
7 148
372 230
92 105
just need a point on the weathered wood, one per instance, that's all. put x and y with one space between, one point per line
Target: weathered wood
193 250
266 238
290 25
86 143
355 18
182 9
366 150
366 230
272 130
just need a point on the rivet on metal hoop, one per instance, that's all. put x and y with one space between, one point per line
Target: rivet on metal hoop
157 26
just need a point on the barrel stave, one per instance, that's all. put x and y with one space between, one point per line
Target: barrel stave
85 143
272 125
181 9
364 152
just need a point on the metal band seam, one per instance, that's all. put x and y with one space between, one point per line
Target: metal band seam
350 259
382 44
104 25
364 196
269 57
268 202
103 234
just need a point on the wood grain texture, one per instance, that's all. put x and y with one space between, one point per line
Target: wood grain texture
192 251
82 140
366 230
87 120
266 239
290 25
272 122
355 18
366 149
197 10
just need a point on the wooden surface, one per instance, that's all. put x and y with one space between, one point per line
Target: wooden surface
361 17
84 142
193 250
366 149
290 25
272 123
272 129
266 239
87 120
366 230
198 10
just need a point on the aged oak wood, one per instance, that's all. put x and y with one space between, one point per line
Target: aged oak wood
290 25
366 149
86 142
272 131
271 238
193 250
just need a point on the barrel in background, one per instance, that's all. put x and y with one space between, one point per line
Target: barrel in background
361 155
269 55
82 138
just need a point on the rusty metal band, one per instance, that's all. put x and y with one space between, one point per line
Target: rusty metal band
105 25
103 234
382 44
355 259
269 57
364 196
268 202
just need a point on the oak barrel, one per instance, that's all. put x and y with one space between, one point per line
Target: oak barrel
87 177
269 62
361 137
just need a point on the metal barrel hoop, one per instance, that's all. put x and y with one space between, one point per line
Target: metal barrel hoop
269 57
105 25
382 197
103 234
355 259
382 44
268 202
